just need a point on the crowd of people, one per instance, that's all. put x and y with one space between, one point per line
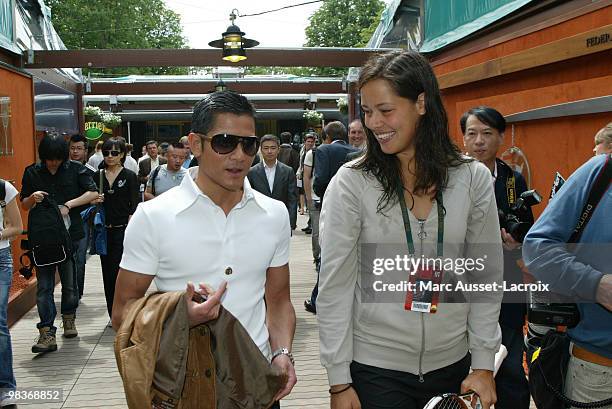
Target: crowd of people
393 180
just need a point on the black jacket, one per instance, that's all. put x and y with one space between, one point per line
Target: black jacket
329 158
283 189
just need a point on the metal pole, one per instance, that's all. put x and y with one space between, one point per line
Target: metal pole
129 133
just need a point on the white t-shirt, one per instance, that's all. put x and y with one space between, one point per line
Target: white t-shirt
183 236
11 193
308 162
130 163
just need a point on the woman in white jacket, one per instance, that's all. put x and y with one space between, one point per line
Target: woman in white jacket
413 194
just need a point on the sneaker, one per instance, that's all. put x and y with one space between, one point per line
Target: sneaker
70 330
45 341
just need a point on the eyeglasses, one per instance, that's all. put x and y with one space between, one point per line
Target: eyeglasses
226 143
110 153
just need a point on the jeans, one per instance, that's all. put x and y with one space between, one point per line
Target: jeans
511 383
379 388
588 382
7 378
80 259
110 264
46 284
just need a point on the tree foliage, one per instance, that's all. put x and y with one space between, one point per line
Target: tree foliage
342 23
106 24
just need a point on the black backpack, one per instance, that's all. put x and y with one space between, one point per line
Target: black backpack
48 237
2 193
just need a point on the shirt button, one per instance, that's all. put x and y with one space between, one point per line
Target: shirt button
228 271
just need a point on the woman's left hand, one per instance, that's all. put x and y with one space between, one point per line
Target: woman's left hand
481 382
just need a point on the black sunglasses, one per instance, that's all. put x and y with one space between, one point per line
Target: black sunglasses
111 153
225 143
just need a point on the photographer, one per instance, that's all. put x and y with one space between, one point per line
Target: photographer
583 273
483 132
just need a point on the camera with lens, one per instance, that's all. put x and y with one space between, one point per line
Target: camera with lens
517 221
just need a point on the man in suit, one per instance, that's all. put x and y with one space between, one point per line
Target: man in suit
327 158
287 154
275 179
330 156
146 165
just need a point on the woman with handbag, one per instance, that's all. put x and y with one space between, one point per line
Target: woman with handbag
118 189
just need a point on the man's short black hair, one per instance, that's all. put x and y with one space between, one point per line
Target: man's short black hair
53 147
229 102
269 137
78 138
336 131
285 137
177 145
151 142
487 115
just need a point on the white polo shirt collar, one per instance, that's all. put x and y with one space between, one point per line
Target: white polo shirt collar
190 192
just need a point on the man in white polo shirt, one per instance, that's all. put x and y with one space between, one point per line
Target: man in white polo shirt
236 239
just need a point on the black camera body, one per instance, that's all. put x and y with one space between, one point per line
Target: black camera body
517 221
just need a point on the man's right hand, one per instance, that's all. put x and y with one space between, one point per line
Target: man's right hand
344 400
38 196
199 313
604 292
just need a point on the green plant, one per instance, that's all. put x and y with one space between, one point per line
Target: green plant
342 104
313 117
92 113
111 120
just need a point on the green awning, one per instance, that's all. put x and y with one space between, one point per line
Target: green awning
447 21
6 24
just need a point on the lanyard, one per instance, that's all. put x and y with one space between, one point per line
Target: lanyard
402 201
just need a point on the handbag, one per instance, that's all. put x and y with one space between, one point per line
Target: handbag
547 372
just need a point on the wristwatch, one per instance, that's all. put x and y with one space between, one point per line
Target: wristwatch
282 351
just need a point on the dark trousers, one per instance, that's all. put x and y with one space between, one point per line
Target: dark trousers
380 388
510 382
110 264
45 286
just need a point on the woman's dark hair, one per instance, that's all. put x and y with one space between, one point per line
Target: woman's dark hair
487 116
116 144
409 74
53 147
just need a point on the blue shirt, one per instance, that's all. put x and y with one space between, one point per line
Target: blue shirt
576 273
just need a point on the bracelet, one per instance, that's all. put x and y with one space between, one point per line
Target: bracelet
2 235
350 385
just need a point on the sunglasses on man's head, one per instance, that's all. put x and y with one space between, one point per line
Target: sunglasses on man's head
225 143
111 153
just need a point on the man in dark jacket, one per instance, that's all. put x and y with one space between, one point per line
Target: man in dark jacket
330 156
483 131
147 165
287 154
68 185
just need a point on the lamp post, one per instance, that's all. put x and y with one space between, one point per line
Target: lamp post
233 41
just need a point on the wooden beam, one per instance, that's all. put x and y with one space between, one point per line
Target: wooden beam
590 42
289 57
204 87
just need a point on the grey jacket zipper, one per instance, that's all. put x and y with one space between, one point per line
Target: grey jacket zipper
422 235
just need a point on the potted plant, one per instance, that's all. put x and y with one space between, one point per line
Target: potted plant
92 113
342 104
313 118
111 120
